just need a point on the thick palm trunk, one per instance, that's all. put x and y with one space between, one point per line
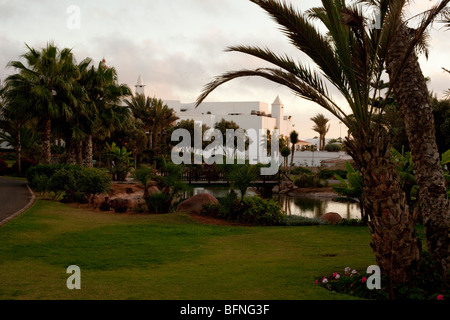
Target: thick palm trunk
415 106
79 152
88 152
70 151
46 145
391 225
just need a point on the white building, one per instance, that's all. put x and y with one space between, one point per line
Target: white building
246 114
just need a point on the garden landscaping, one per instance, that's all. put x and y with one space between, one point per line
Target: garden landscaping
170 256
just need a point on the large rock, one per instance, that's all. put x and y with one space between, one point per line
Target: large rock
332 217
195 203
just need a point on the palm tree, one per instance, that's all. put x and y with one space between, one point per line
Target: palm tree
293 136
105 94
50 74
320 126
347 57
155 115
15 115
402 45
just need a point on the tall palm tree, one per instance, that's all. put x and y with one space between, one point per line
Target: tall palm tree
50 74
402 45
15 114
320 126
293 136
155 115
346 56
105 94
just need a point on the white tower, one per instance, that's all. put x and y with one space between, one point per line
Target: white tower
278 113
140 86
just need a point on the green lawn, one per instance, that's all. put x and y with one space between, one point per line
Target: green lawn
171 256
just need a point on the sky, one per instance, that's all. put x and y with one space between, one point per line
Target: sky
178 46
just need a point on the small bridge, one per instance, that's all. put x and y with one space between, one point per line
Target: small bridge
211 177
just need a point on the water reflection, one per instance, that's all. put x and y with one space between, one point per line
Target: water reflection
302 206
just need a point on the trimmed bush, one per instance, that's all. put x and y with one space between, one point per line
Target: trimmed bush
92 181
253 210
333 147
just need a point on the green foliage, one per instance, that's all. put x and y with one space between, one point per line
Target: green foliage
329 174
333 147
92 181
119 161
62 180
254 210
308 181
353 187
158 202
144 175
241 177
262 211
77 183
300 170
428 283
41 183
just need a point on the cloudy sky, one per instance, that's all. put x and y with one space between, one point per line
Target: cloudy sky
178 45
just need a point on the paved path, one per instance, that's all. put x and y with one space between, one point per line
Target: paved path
15 197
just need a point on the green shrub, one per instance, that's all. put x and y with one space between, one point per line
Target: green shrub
62 180
328 174
158 202
333 147
253 210
300 170
41 183
262 211
48 170
308 181
92 181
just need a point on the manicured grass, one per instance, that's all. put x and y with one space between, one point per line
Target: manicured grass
170 256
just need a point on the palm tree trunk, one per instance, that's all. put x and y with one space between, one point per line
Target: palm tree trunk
415 106
79 152
391 225
18 152
70 151
88 152
46 146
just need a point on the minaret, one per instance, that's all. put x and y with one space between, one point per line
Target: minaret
278 113
140 86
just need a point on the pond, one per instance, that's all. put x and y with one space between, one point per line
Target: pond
302 206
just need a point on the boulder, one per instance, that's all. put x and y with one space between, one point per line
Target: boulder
332 217
195 203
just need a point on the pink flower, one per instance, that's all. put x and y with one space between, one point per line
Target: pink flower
440 297
317 281
324 280
364 279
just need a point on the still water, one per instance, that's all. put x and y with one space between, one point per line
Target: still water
301 206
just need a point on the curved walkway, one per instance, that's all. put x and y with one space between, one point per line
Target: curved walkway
15 198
